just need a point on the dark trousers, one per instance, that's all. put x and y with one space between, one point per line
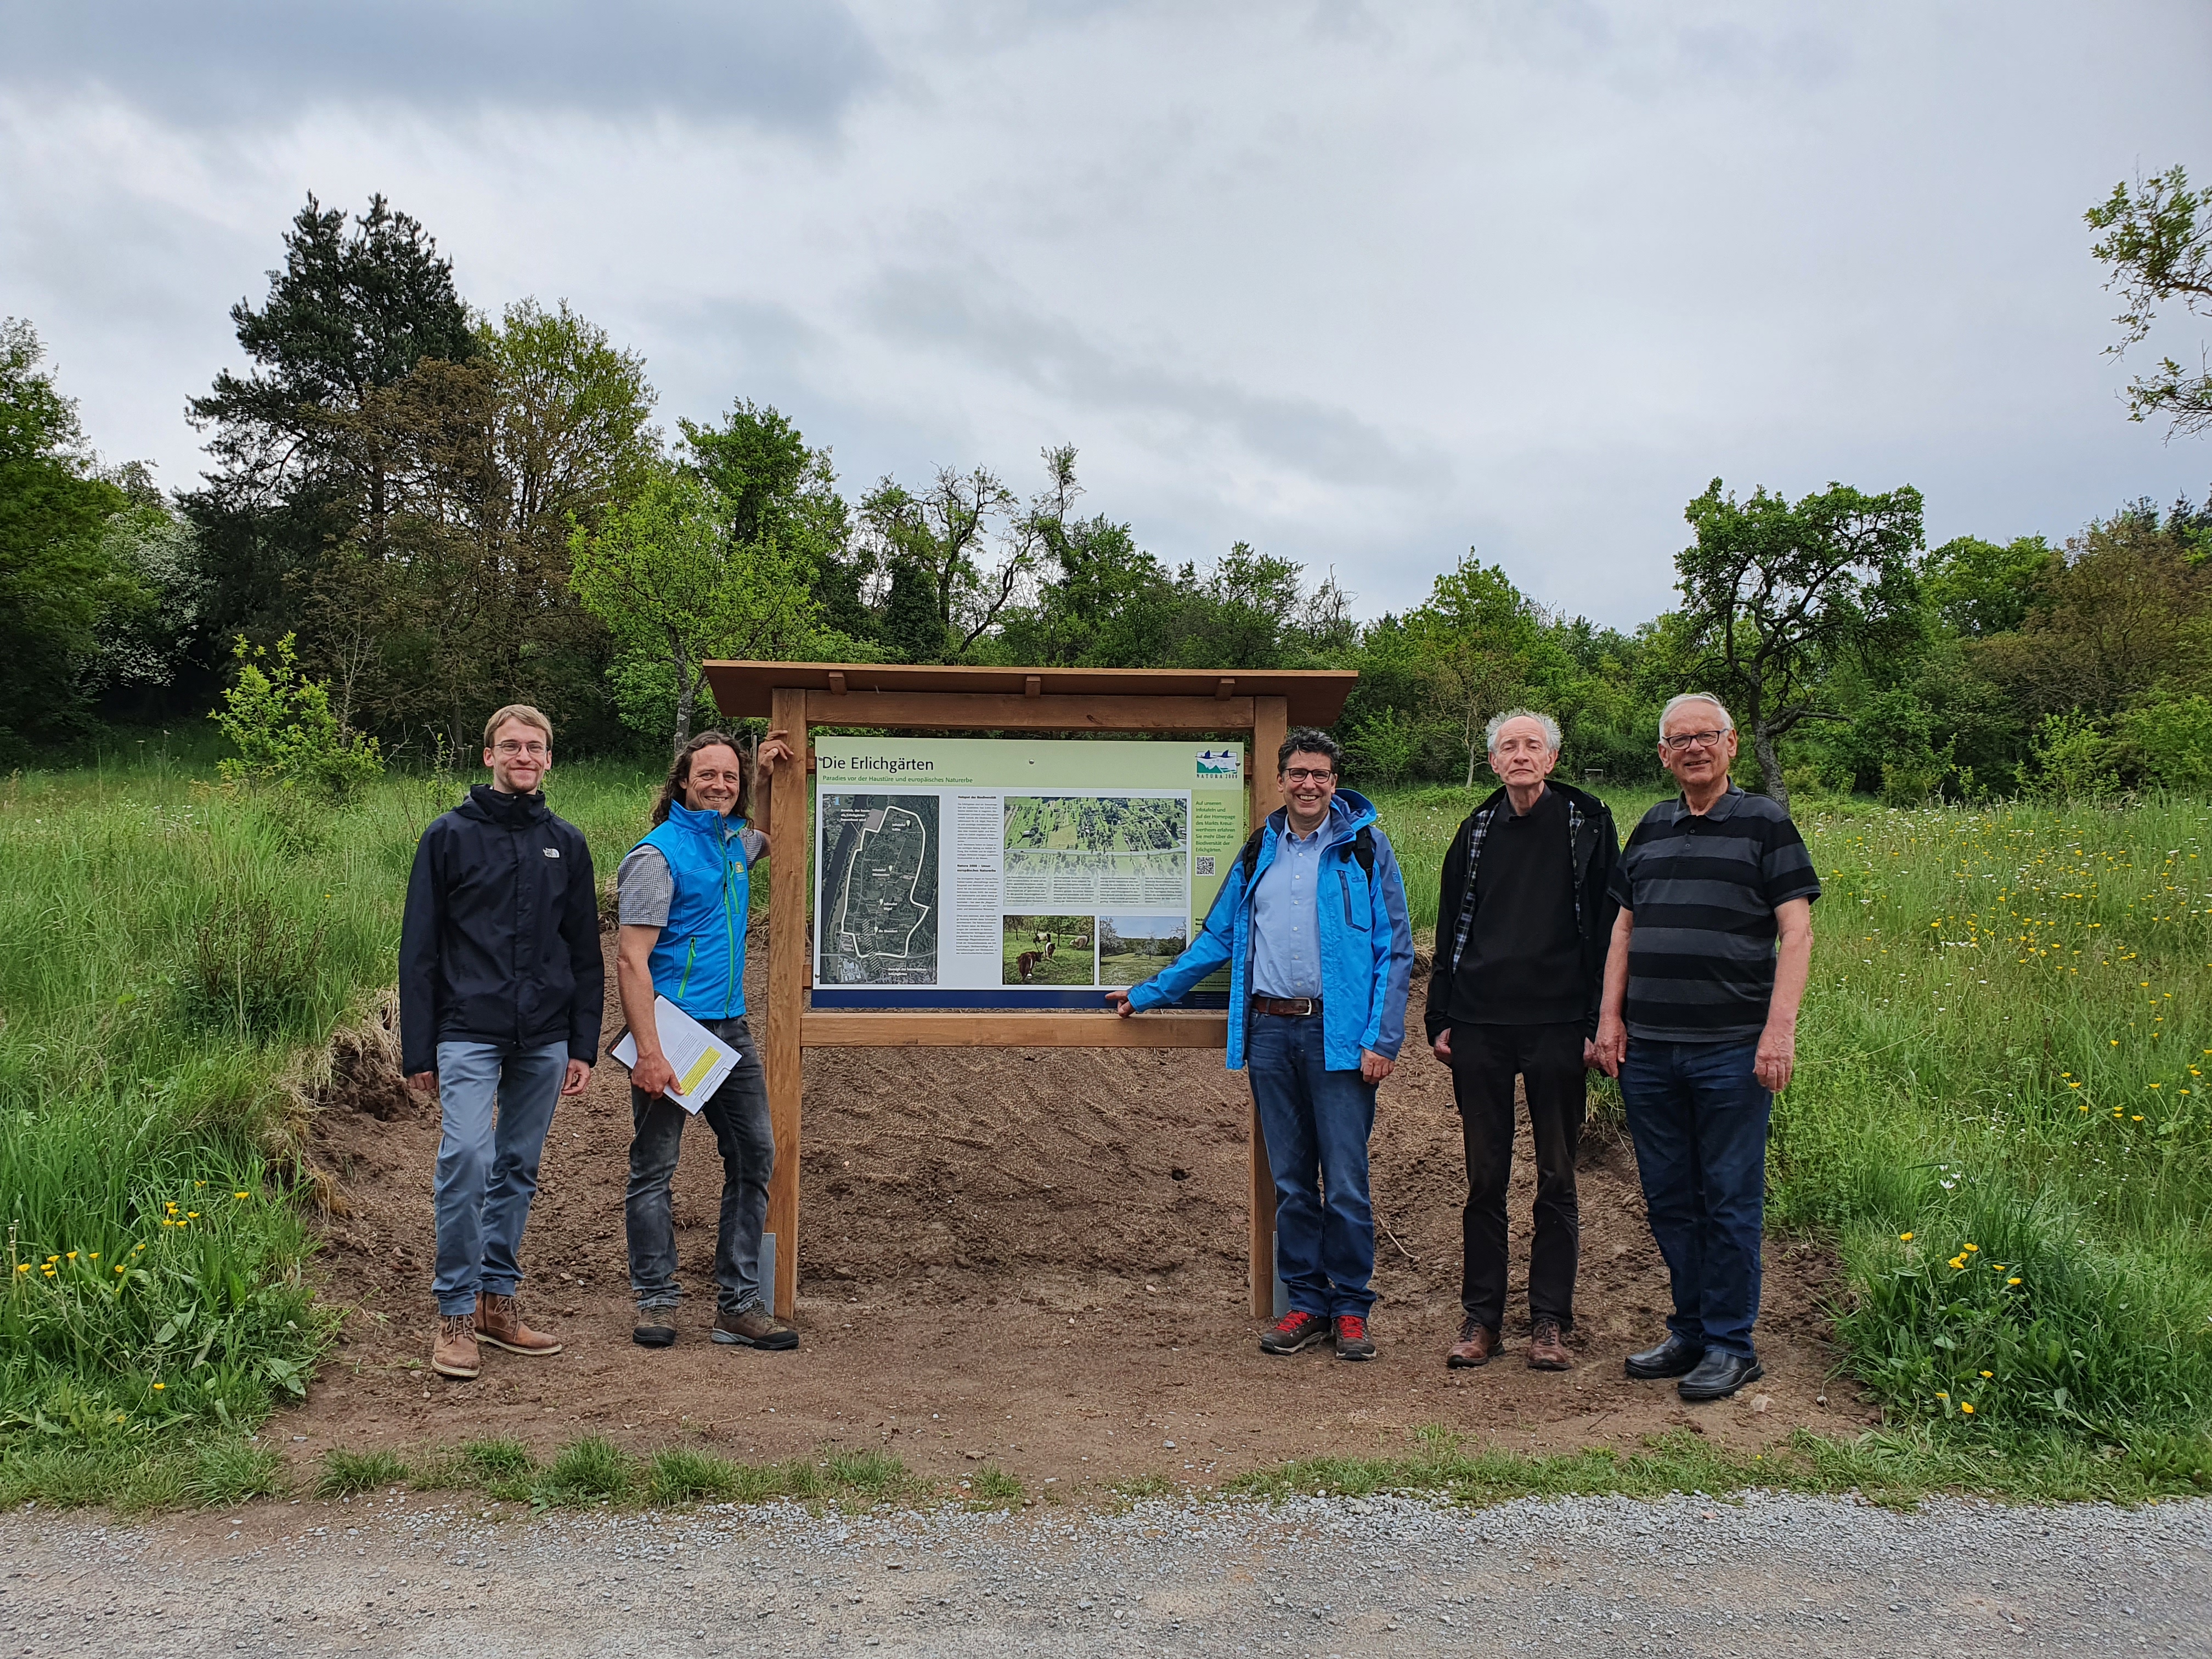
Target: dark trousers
1486 1058
1699 1118
738 1113
1316 1123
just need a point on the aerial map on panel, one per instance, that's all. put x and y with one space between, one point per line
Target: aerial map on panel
879 877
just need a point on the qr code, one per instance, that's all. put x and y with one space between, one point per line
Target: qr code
1202 865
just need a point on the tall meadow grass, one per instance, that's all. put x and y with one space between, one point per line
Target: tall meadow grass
167 950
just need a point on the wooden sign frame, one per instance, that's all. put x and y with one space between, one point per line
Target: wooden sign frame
796 697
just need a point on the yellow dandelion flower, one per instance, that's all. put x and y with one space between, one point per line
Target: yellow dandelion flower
23 1266
2136 1118
1972 1247
1907 1237
192 1215
1967 1407
2012 1281
72 1255
241 1194
1989 1373
120 1269
158 1387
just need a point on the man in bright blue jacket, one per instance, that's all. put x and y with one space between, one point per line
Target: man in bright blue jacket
1311 920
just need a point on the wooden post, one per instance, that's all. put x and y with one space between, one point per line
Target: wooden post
787 959
1270 724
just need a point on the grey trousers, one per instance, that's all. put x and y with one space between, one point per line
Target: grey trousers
738 1113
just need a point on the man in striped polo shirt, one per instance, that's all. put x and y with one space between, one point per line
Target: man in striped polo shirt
1699 1023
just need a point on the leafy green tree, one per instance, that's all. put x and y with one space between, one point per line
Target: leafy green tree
60 586
1979 589
2158 246
2115 619
1473 635
353 311
663 574
1776 596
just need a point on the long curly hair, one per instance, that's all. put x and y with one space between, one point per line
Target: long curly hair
679 774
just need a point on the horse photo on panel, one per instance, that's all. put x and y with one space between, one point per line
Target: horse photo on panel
1132 949
1050 950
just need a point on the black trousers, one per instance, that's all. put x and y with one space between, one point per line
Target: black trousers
1484 1061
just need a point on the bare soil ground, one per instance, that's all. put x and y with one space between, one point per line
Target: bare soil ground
1030 1258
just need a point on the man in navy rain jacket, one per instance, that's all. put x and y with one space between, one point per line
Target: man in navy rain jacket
1311 920
500 990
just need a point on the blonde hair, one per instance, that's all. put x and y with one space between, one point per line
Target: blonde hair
524 713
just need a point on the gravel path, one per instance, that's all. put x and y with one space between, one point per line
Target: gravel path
421 1574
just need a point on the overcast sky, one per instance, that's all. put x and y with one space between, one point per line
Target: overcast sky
1365 285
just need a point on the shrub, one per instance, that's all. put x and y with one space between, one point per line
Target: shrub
256 968
2170 742
2072 760
285 733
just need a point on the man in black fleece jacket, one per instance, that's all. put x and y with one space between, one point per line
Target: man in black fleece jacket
500 988
1523 920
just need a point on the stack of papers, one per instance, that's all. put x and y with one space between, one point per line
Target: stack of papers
700 1058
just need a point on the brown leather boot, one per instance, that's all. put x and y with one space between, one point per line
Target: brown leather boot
455 1354
1547 1349
498 1321
1477 1345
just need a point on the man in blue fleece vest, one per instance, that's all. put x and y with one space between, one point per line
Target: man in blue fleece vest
1312 922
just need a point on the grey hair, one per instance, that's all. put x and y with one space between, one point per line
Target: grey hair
1728 720
1498 722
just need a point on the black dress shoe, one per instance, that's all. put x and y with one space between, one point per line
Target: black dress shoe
1718 1375
1675 1356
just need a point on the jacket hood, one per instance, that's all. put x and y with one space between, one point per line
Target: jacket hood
493 806
1349 812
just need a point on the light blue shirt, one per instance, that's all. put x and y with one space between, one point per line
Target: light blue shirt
1285 926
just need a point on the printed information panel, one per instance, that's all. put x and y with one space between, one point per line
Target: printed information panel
993 873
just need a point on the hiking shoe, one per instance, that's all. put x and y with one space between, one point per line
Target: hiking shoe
1293 1331
455 1354
1352 1342
656 1328
754 1327
1478 1345
498 1321
1547 1349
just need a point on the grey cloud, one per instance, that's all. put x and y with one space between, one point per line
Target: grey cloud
969 314
780 65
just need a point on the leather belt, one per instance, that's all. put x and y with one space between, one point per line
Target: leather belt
1288 1007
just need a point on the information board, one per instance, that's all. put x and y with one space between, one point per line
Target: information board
993 873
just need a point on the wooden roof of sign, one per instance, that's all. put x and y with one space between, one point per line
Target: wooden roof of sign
1315 697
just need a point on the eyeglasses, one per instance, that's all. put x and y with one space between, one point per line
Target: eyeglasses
510 748
1682 740
1304 774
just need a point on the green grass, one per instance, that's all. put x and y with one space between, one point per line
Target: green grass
172 957
1894 1468
1996 1051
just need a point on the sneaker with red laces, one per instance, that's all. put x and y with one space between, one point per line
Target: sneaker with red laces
1293 1331
1352 1342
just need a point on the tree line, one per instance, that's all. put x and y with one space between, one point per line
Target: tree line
440 510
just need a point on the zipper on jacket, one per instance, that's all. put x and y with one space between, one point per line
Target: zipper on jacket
690 952
730 936
1344 880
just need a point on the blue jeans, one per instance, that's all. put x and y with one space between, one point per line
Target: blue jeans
1699 1118
738 1113
1316 1123
488 1165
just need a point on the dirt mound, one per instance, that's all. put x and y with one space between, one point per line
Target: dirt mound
1032 1256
